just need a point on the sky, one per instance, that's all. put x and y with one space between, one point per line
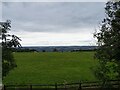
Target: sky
54 23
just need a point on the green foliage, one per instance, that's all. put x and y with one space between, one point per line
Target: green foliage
51 67
106 71
111 70
8 62
109 44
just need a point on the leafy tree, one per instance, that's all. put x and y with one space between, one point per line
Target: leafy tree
8 42
43 51
108 37
55 50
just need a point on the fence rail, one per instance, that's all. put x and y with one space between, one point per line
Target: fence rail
110 85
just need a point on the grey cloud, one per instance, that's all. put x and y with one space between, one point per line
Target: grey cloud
53 17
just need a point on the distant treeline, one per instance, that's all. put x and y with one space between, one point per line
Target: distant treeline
23 50
54 50
83 50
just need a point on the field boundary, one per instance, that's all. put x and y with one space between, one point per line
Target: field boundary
97 85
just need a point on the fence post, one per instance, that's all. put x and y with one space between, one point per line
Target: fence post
65 86
80 87
119 84
55 86
30 87
4 88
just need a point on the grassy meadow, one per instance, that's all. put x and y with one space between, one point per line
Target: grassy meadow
51 67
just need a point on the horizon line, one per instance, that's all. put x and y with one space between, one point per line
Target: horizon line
58 45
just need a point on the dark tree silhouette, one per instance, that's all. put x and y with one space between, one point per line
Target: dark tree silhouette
8 42
108 38
55 50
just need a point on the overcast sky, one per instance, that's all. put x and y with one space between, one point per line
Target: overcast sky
54 23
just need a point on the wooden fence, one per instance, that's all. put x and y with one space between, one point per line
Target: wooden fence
110 85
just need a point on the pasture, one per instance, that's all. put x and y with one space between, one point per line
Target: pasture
51 67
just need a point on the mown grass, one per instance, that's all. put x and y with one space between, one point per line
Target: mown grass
51 67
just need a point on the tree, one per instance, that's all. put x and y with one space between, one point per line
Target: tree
43 51
8 42
55 50
108 39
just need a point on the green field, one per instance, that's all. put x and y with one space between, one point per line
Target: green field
51 67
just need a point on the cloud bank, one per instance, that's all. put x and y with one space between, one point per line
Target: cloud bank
54 18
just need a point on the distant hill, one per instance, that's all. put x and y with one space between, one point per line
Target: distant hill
60 48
